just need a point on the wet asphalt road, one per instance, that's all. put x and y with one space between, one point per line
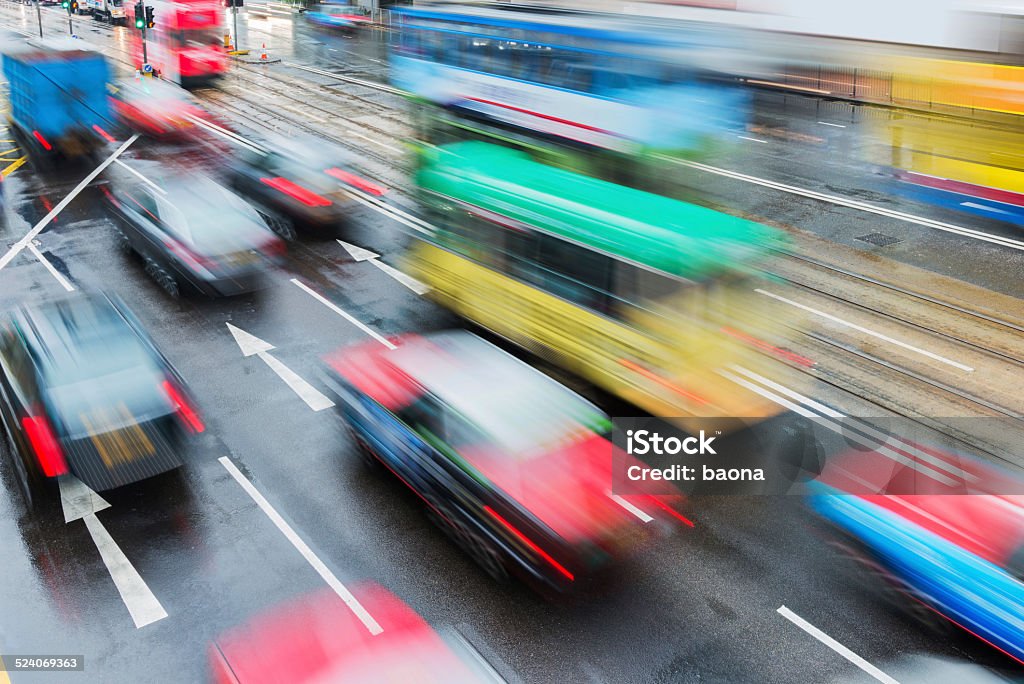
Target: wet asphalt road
700 607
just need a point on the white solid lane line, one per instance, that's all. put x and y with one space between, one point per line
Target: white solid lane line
853 204
333 582
630 507
141 177
336 309
36 229
758 140
879 439
866 331
82 503
835 646
826 123
50 267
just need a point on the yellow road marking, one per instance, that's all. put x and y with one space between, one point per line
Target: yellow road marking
11 168
13 149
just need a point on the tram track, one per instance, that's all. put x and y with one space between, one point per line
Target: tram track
1004 353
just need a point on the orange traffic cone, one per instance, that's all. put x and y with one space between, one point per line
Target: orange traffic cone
263 53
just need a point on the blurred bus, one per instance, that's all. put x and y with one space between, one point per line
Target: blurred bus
971 166
184 46
645 296
607 84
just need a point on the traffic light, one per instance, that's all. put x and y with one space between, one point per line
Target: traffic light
74 6
149 17
140 22
66 5
234 3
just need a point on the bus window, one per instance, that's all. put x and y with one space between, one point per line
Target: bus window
575 273
646 289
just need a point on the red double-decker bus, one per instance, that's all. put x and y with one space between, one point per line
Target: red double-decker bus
184 45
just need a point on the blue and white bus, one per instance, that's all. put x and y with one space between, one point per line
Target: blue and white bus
611 83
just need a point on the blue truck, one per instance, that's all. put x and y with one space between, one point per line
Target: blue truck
58 93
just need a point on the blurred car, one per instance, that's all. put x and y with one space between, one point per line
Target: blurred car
303 181
345 17
512 465
153 106
190 230
317 639
944 533
85 391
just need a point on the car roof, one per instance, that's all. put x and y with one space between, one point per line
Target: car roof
54 328
492 389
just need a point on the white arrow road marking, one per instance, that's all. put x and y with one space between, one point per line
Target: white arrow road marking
360 254
338 310
82 503
357 252
835 645
250 344
332 581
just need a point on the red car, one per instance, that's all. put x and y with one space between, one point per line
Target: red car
154 107
317 639
512 465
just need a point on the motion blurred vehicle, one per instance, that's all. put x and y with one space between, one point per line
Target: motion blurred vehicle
513 466
348 18
153 106
301 182
190 231
184 45
318 639
650 298
105 10
612 82
943 533
955 163
85 391
58 107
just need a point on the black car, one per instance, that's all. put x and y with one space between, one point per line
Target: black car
300 182
83 390
190 230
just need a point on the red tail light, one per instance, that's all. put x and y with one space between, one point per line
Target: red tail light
191 259
106 136
533 547
274 248
671 511
185 410
45 444
296 191
356 181
42 141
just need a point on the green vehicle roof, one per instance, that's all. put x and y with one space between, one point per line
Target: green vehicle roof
661 233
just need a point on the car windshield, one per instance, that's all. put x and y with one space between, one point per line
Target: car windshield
211 219
88 342
520 409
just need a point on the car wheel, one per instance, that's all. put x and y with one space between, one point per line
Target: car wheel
123 243
282 225
478 548
164 279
